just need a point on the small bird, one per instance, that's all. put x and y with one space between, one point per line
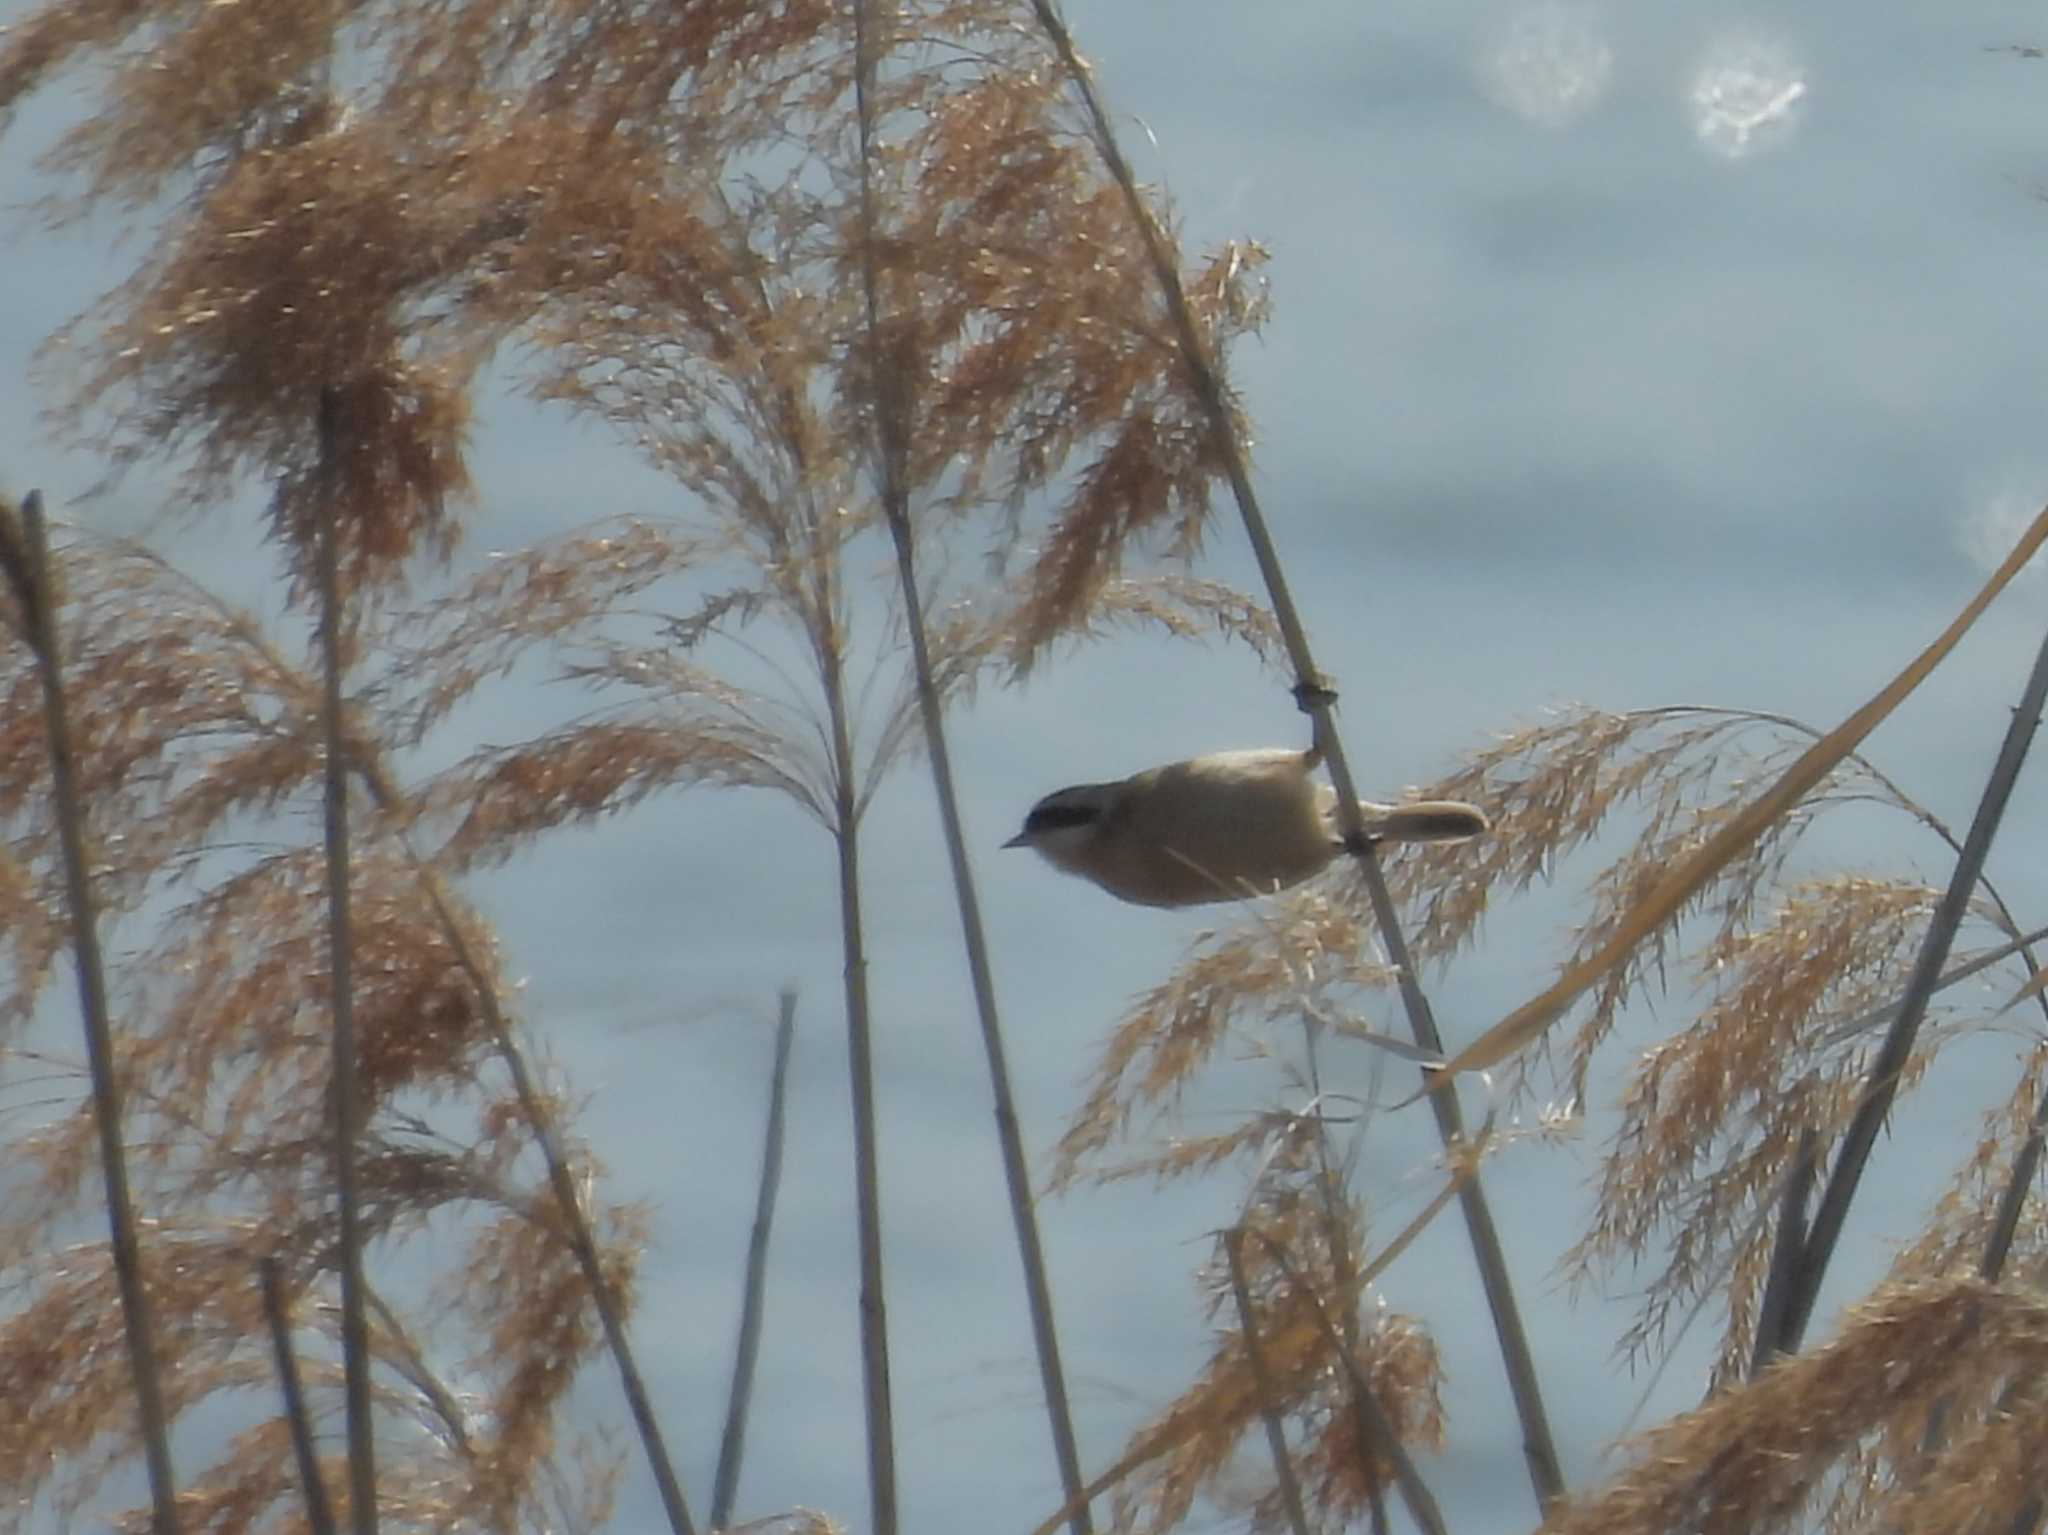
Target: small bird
1218 828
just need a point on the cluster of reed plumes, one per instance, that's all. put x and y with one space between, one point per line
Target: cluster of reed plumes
1795 980
874 287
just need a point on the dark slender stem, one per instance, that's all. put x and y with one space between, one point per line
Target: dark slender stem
40 600
892 455
355 1327
1262 1382
1787 1245
1882 1083
319 1514
2005 1224
732 1446
1546 1473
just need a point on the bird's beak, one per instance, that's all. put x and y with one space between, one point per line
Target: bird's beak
1020 840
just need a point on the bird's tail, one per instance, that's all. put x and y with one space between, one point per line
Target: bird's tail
1425 820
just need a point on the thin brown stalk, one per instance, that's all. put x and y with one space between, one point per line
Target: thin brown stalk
1546 1473
1350 1284
874 1316
603 1295
561 1179
355 1327
1262 1377
1374 1426
732 1445
319 1515
29 570
1539 1451
892 453
1883 1079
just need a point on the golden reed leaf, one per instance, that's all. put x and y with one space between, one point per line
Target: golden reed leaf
1527 1022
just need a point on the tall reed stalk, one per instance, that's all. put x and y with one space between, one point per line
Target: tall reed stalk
319 1512
877 1401
27 558
1546 1475
355 1327
891 454
1882 1081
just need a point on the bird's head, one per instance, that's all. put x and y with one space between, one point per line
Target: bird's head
1066 821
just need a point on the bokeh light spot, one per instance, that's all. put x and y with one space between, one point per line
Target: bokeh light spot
1549 63
1746 96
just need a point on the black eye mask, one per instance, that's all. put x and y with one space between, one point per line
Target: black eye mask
1055 817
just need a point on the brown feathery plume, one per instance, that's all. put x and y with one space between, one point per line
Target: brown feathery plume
1669 777
1893 1058
1298 966
1301 958
159 664
1291 1277
1758 1457
1977 1221
1754 818
309 283
1262 1383
1714 1116
224 1060
1790 973
590 182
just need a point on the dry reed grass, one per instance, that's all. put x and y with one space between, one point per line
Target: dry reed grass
648 216
1784 971
359 213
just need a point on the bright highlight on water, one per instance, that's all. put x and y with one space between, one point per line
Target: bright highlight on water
1745 97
